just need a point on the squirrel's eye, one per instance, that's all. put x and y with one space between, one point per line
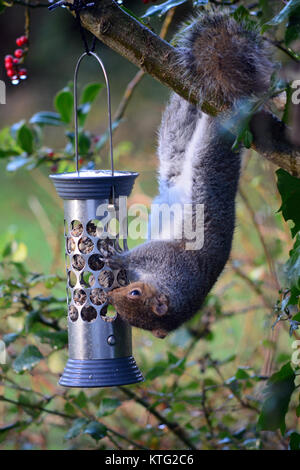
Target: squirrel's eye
135 293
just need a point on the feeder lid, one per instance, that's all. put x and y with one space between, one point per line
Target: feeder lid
93 184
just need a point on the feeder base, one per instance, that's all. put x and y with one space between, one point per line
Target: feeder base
100 373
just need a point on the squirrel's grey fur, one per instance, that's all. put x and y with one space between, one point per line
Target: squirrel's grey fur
197 165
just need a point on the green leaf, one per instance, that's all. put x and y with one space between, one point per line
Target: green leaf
2 6
10 338
90 92
289 188
17 163
162 9
25 139
292 31
96 430
157 371
242 374
64 104
197 3
84 143
76 428
29 357
296 317
57 339
44 118
172 359
294 441
247 138
89 95
241 13
108 406
81 399
279 389
284 14
292 266
14 129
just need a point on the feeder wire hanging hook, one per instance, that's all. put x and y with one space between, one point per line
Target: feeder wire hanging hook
91 53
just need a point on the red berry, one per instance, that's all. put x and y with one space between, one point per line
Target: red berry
23 73
10 73
21 41
8 62
50 154
80 161
8 57
54 168
18 53
16 61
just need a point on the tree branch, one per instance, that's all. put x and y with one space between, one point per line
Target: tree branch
137 43
174 427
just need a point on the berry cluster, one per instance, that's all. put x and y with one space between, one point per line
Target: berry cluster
13 64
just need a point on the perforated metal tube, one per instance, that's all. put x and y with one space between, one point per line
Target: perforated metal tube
100 351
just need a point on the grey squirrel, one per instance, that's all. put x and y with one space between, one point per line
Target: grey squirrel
169 283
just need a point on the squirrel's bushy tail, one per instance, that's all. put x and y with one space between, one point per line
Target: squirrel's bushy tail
230 59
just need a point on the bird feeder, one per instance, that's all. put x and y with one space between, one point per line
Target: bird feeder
100 343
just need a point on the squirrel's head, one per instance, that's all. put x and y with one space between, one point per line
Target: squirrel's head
142 305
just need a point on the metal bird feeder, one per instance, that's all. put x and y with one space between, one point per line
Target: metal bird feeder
100 344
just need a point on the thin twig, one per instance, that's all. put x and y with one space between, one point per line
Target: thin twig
242 402
206 410
293 55
66 416
253 285
261 237
116 433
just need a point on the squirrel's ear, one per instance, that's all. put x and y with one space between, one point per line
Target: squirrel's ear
160 333
160 305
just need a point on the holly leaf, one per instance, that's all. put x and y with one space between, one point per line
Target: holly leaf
289 188
63 103
292 266
241 374
89 95
57 339
17 163
156 371
10 338
29 357
292 31
278 391
96 430
76 428
90 92
294 441
44 118
25 139
108 406
284 14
